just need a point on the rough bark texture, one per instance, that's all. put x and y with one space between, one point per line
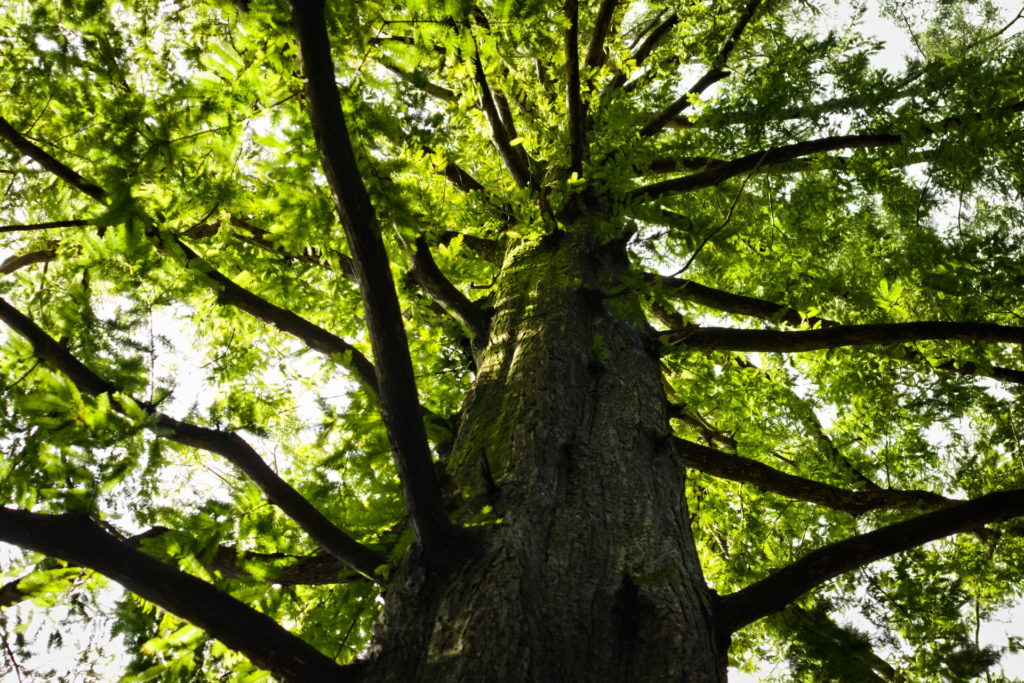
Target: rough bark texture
587 569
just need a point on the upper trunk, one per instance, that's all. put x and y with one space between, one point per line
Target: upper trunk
587 569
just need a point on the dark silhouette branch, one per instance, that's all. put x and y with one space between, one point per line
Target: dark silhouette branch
787 153
77 539
396 380
573 99
33 151
708 432
737 304
596 55
487 249
736 468
816 624
514 159
760 160
736 610
229 445
228 561
729 339
228 292
657 34
430 277
49 225
716 72
459 177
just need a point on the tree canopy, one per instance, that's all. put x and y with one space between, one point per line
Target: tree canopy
257 257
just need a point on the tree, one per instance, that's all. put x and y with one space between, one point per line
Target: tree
586 338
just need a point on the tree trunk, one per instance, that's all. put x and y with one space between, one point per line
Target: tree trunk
586 570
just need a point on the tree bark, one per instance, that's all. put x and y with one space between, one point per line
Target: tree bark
586 569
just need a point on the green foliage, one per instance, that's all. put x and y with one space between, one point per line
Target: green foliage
192 117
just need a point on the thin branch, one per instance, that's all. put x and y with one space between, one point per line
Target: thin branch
646 47
573 100
736 468
736 610
401 408
49 225
75 538
466 312
487 249
716 72
315 337
226 444
228 292
763 159
421 82
718 228
729 339
596 55
818 624
709 433
459 177
688 290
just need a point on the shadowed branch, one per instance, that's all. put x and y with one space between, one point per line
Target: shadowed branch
657 34
573 100
467 313
77 539
596 55
771 594
735 468
729 339
228 292
716 72
226 444
738 304
760 160
396 380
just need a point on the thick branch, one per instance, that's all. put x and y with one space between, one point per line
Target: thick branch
430 277
77 539
769 310
730 339
28 148
716 72
759 160
226 444
19 261
735 468
771 594
573 99
596 55
513 159
373 272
